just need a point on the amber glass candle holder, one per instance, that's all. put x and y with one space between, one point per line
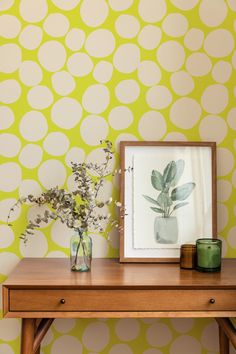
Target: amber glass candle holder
209 254
187 256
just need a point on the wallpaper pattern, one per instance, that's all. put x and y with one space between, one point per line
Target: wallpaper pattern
74 72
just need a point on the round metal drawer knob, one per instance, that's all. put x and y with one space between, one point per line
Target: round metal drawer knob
63 301
212 301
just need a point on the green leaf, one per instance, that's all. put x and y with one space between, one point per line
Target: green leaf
177 206
179 171
169 172
157 180
182 192
151 200
164 200
157 210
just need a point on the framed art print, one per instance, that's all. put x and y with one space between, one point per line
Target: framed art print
168 193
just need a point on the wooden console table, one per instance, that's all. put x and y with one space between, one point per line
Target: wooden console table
41 289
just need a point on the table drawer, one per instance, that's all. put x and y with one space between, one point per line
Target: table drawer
122 300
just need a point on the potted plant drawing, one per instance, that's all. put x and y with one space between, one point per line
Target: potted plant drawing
170 198
80 209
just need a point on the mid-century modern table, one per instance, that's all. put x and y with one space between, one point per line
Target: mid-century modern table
41 289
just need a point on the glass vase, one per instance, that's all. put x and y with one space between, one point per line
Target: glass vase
80 251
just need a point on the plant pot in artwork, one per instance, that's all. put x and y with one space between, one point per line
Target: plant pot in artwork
166 229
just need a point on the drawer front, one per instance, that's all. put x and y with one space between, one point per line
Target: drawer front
122 300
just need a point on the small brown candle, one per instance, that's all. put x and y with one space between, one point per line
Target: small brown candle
187 256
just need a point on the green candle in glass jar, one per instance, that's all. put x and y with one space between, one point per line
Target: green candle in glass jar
208 254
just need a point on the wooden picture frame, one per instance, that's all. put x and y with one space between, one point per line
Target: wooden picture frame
168 193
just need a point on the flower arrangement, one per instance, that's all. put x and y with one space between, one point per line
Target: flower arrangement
79 209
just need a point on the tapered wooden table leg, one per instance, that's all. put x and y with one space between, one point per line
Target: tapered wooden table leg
27 335
224 342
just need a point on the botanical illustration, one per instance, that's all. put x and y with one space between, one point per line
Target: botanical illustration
170 198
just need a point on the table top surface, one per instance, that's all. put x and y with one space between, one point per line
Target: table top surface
109 273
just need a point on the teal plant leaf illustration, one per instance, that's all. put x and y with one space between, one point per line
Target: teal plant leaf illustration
169 192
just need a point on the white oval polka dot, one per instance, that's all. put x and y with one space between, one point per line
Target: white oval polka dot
10 176
182 325
99 127
231 237
103 72
224 190
120 117
175 136
9 329
232 4
63 325
29 186
149 37
75 155
10 26
30 73
234 180
222 217
222 71
34 13
213 128
158 97
31 156
127 329
149 73
114 238
231 118
175 25
152 10
214 13
124 137
31 37
75 39
100 43
171 56
182 344
102 336
159 335
152 126
182 83
105 192
215 99
127 58
219 43
10 58
198 64
56 254
185 113
127 26
120 5
96 99
56 144
63 83
5 206
10 91
40 97
8 261
61 344
120 348
98 156
6 4
6 117
127 91
6 349
56 25
194 39
225 161
185 5
71 183
79 64
66 5
9 145
100 244
66 113
33 126
52 55
52 173
98 14
6 239
152 351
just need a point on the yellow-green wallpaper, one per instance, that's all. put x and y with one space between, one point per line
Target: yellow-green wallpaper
77 71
